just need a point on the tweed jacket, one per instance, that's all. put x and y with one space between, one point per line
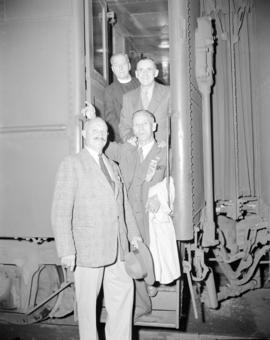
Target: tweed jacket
113 101
88 217
159 106
135 178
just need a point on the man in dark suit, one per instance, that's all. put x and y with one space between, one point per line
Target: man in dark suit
151 96
142 166
113 95
92 230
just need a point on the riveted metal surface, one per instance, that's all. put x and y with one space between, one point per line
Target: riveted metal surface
186 120
195 109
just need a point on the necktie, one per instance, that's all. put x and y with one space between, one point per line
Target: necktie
105 171
140 153
145 99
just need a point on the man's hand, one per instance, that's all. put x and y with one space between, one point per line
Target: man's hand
89 111
152 204
135 240
68 262
132 141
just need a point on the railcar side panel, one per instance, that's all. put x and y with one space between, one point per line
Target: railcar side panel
42 91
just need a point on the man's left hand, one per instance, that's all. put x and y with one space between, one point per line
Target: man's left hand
89 111
152 204
135 240
132 141
69 262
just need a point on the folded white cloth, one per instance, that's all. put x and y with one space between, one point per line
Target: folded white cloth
162 234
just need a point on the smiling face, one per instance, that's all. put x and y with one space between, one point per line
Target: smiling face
143 127
95 134
146 72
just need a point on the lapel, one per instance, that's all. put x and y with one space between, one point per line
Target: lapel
141 168
152 153
137 101
129 164
156 97
91 165
114 174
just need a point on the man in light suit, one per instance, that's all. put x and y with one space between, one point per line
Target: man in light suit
149 95
92 231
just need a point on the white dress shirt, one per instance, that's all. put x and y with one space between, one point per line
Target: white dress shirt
93 153
146 148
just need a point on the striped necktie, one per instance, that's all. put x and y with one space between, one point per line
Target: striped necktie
105 171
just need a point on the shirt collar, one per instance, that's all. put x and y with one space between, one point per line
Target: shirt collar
121 81
93 153
146 148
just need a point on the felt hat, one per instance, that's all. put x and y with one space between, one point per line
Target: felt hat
139 264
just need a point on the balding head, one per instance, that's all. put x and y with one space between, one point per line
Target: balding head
144 126
145 113
95 134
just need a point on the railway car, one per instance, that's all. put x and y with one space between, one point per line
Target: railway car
54 55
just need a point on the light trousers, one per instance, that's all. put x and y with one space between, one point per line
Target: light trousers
118 290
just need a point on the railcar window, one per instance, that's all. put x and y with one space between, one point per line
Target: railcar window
98 25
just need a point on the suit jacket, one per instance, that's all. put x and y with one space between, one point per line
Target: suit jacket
113 101
134 175
159 106
88 217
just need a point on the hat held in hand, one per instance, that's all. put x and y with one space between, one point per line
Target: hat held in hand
139 264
